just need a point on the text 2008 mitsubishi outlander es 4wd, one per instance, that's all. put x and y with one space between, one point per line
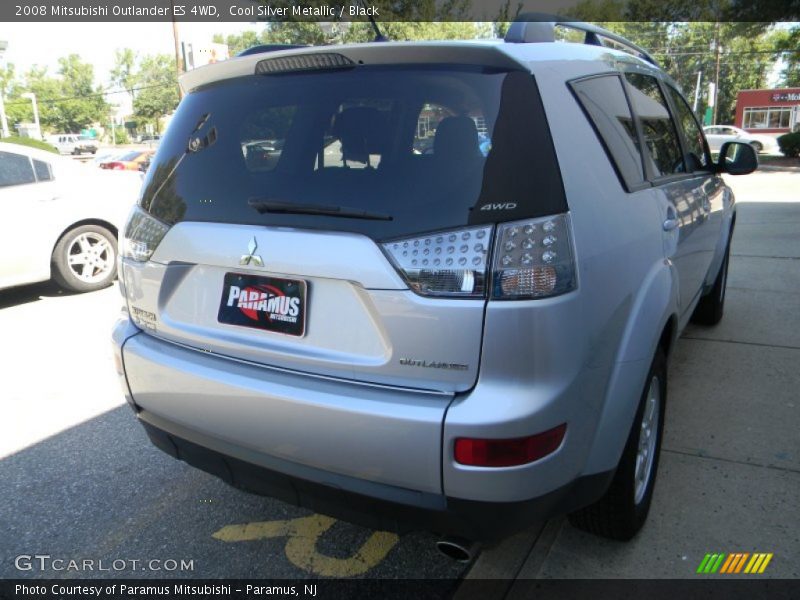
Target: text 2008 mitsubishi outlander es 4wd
426 285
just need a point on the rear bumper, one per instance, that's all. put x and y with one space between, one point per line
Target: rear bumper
393 509
378 457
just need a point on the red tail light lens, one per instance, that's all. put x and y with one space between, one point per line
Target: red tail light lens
508 453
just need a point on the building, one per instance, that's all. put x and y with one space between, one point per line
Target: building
768 111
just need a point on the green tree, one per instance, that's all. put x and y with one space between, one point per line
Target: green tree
788 41
47 89
123 73
157 88
81 103
238 42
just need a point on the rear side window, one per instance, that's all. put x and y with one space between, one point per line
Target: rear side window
663 153
15 170
430 148
698 157
603 99
43 170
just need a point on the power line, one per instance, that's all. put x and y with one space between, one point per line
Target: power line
97 95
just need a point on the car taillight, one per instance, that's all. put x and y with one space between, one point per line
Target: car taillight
533 259
447 263
510 452
143 233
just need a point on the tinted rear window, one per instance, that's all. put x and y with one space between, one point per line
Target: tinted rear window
434 148
605 103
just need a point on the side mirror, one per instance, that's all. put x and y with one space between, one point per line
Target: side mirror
737 158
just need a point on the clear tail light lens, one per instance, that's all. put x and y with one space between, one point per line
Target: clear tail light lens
143 233
533 259
448 263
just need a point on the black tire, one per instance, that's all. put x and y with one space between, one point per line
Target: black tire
85 259
622 511
757 146
710 308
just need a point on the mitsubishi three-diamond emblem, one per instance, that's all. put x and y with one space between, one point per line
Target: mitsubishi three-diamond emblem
252 258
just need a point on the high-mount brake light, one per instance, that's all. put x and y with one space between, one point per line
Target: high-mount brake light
303 62
143 233
533 259
447 263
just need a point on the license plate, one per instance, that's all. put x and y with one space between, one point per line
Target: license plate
266 303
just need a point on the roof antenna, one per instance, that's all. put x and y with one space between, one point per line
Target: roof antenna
379 37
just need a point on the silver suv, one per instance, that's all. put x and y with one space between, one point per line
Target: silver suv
426 285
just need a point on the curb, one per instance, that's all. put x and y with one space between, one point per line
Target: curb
778 168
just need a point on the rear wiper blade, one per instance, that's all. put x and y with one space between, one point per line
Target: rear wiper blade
275 206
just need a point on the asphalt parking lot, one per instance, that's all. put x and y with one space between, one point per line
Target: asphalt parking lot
81 481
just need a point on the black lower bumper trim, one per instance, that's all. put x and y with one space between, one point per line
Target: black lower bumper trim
470 519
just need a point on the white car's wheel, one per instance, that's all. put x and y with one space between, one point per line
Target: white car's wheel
85 259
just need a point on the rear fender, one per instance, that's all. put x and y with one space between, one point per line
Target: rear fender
655 305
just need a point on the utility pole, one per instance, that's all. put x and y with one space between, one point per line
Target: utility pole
176 38
717 52
3 121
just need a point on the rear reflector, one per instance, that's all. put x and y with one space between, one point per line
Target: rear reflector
508 453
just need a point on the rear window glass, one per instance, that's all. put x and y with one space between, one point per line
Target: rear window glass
43 171
15 169
663 148
604 101
432 148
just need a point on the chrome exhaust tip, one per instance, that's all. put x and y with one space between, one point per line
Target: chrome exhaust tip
457 548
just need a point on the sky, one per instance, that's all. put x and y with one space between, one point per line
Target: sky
44 43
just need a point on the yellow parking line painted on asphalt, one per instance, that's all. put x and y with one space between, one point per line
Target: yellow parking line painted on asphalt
301 546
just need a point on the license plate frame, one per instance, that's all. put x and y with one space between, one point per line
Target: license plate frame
264 308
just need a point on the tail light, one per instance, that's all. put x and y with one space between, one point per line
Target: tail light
143 233
448 263
531 259
508 452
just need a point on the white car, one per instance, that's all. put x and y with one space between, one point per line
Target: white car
60 220
719 134
73 143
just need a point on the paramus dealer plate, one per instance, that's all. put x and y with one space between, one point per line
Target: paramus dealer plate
267 303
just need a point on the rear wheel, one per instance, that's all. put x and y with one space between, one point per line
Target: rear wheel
85 259
622 511
710 307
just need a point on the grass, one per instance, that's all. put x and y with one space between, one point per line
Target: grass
24 141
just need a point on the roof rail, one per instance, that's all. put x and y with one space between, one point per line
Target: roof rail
540 27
